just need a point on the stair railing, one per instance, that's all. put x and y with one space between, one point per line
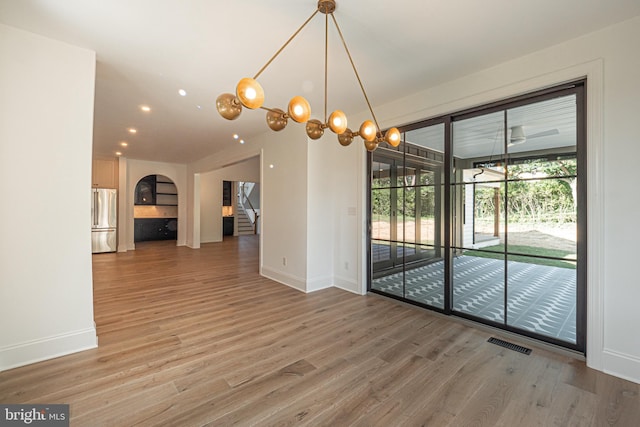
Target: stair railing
243 198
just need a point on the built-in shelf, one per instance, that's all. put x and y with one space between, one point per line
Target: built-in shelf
156 190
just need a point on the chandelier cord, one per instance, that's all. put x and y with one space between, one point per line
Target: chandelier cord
284 45
353 65
326 63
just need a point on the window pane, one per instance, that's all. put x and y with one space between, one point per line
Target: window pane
409 215
478 286
381 171
542 298
426 222
478 148
543 126
380 251
431 137
427 177
542 217
381 214
424 282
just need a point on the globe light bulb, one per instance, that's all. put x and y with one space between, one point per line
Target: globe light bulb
299 109
338 122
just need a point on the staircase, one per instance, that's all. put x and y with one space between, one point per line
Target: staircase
246 214
244 223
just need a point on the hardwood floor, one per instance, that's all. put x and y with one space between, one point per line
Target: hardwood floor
197 337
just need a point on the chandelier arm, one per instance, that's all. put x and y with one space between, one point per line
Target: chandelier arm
284 45
273 110
353 65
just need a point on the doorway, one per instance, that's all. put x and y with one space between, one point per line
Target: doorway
155 210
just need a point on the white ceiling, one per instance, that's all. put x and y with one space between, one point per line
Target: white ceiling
148 49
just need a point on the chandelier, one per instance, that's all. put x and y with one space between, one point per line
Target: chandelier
249 93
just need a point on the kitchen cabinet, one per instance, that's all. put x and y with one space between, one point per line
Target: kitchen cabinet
145 193
227 226
147 229
104 173
226 193
156 190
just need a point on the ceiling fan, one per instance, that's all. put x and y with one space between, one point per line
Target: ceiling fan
518 136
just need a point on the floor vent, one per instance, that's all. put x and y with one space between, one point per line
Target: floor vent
510 346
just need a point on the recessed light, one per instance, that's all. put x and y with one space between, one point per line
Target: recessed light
132 130
242 141
235 136
182 92
124 143
145 108
199 107
271 166
118 153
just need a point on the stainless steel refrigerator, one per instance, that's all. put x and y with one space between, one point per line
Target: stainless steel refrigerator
104 220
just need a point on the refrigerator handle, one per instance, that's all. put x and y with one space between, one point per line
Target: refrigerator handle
95 207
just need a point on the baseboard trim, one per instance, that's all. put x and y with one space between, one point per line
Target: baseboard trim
26 353
346 285
621 365
284 278
319 283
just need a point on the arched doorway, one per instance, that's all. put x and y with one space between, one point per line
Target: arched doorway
155 210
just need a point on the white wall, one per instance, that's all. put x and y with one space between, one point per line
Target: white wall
136 170
284 206
320 212
211 195
46 127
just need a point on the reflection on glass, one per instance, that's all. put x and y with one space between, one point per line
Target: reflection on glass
544 125
424 283
409 178
380 251
409 214
542 218
487 216
381 213
431 137
381 174
426 224
406 251
478 148
427 177
407 217
542 298
478 287
399 215
390 281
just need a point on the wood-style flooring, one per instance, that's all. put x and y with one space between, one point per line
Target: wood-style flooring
198 337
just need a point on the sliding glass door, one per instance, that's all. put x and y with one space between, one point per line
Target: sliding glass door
498 242
407 218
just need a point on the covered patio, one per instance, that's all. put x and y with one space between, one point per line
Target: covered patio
541 299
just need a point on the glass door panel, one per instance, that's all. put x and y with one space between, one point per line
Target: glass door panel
509 254
478 287
541 296
406 204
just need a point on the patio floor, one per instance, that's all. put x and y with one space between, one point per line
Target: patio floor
541 299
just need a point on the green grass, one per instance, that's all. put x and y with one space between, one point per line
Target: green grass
497 252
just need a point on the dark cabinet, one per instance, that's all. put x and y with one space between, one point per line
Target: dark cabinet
226 193
146 229
156 190
145 193
227 226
